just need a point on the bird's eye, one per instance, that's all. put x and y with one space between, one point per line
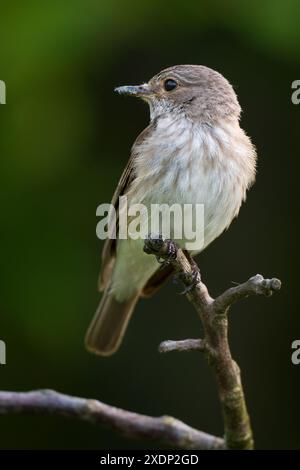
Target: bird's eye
170 84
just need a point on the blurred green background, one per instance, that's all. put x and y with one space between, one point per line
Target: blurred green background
64 140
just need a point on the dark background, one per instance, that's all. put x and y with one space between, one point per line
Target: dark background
64 140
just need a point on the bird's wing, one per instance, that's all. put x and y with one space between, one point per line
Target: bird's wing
157 279
109 248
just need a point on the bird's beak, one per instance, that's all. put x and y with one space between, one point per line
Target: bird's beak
140 91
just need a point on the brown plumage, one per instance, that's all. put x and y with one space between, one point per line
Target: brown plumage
193 151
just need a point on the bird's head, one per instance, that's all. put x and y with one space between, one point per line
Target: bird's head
200 93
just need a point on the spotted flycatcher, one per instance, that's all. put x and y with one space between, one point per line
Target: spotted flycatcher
193 152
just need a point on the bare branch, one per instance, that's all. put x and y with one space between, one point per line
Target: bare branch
182 346
256 285
213 314
164 429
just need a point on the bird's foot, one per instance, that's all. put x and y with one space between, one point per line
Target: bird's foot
170 256
165 250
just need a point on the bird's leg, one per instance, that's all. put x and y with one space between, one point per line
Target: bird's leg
170 249
165 251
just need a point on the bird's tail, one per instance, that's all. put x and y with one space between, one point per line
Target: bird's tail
109 324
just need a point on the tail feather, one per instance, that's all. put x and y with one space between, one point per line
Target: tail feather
109 324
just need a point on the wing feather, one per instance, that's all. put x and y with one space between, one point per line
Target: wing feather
109 248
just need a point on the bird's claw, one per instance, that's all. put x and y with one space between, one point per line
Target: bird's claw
170 256
195 279
154 245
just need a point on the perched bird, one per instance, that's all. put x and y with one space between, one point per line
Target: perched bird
193 151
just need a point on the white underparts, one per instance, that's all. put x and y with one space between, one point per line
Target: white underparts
185 163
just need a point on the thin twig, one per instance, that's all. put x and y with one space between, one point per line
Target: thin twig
183 345
256 285
164 429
